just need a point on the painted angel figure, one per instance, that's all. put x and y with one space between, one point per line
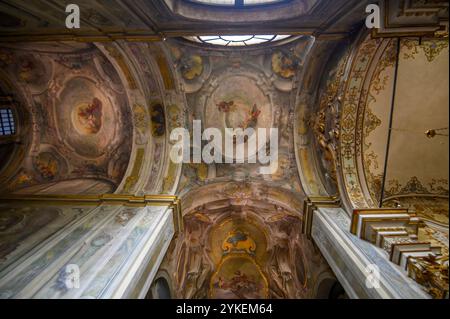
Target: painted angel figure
226 107
91 116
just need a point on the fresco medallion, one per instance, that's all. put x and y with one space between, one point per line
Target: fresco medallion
88 120
238 102
87 117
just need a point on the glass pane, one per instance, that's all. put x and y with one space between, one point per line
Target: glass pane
267 37
281 37
218 42
255 41
253 2
237 38
236 44
216 2
208 38
7 126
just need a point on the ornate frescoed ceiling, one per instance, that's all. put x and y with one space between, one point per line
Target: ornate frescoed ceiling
386 142
243 241
247 89
86 121
362 123
381 133
79 118
243 229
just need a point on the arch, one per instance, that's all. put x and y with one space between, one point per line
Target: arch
13 147
160 289
257 14
227 221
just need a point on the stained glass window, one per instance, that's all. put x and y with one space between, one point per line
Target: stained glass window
7 126
237 40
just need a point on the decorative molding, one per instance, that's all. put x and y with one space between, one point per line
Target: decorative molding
350 121
311 204
134 176
117 55
431 47
351 258
106 199
413 18
431 271
366 221
396 232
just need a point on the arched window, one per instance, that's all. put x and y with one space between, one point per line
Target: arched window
237 3
7 124
237 40
8 130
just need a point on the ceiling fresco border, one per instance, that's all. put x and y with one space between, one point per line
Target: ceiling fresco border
157 87
317 126
352 181
240 193
324 122
368 120
304 150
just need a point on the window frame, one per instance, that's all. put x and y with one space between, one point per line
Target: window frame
229 43
238 4
10 120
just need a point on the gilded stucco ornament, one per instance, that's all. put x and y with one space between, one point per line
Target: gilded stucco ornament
350 122
432 273
284 65
325 143
141 124
432 48
325 122
238 241
191 66
132 179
